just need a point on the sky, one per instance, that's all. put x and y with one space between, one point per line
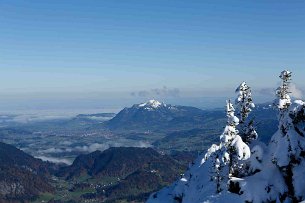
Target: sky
109 54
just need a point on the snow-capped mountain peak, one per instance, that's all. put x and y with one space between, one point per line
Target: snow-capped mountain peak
152 104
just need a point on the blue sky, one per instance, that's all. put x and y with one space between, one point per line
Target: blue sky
103 52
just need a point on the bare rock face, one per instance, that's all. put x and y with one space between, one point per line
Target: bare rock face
15 188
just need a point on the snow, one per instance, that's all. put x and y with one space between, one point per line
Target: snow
299 180
273 173
298 104
285 75
232 119
210 151
287 142
263 186
255 161
151 104
197 186
282 103
206 180
244 103
242 149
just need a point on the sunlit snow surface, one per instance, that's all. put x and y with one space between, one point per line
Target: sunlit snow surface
266 185
152 104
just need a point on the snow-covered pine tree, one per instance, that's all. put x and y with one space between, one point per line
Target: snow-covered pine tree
225 158
244 105
249 132
283 100
232 147
227 137
217 172
288 143
244 102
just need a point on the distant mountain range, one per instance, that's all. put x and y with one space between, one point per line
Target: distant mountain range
212 126
183 127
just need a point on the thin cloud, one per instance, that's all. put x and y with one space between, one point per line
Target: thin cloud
101 147
55 160
295 92
161 92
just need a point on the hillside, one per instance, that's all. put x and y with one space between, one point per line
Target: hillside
122 173
22 177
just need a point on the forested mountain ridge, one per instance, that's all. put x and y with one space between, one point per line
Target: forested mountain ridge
22 177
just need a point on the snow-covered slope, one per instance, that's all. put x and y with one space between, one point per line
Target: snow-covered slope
151 105
207 176
273 173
